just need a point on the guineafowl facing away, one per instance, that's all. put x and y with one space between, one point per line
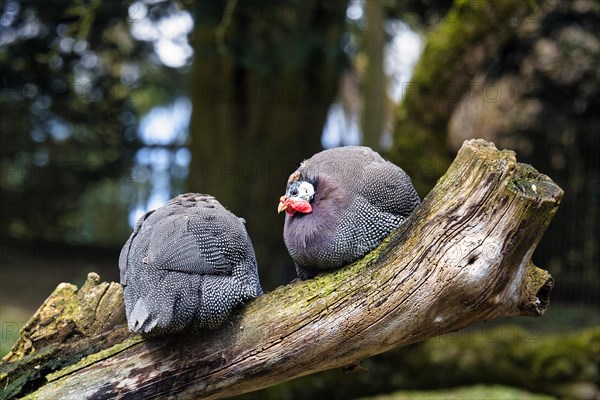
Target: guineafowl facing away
340 204
188 263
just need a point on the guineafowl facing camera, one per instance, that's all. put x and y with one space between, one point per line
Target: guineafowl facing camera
187 264
340 204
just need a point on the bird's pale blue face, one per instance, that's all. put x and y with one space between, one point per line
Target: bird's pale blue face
297 198
300 190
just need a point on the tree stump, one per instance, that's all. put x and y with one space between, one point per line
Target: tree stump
463 256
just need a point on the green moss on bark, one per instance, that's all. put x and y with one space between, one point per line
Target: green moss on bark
94 358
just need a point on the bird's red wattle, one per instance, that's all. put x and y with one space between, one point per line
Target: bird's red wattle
301 206
291 207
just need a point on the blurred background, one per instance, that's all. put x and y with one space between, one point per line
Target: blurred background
109 108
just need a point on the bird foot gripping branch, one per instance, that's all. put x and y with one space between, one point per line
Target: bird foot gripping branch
462 257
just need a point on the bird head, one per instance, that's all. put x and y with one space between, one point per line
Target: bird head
297 198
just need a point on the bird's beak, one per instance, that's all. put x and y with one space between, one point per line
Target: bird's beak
284 203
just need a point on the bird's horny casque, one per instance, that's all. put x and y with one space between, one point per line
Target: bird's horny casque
340 204
188 263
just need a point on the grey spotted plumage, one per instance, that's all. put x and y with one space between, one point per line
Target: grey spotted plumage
187 264
341 203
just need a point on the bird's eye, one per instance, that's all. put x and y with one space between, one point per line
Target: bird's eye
294 192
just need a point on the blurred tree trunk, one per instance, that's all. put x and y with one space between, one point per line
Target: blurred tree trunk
373 116
524 75
467 40
263 78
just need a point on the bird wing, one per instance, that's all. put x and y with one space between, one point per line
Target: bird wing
389 188
124 255
186 247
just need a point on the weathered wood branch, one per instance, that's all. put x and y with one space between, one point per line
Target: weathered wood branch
463 257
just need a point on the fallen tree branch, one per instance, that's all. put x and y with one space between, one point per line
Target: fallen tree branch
462 257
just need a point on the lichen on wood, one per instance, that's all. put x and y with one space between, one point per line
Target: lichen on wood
462 257
70 325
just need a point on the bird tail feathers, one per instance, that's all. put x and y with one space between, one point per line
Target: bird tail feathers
139 319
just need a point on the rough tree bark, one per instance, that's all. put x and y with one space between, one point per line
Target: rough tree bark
464 256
